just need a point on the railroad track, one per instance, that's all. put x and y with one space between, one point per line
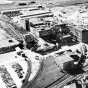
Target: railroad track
12 31
66 79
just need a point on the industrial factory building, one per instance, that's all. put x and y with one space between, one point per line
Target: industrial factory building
44 44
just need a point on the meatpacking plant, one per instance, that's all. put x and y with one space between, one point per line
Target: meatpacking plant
44 44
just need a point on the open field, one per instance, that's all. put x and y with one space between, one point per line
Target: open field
48 3
55 2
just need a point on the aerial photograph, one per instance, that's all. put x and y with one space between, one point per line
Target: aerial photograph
43 43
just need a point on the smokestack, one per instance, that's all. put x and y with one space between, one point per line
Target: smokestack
27 24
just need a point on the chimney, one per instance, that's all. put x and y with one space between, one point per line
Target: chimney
27 24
